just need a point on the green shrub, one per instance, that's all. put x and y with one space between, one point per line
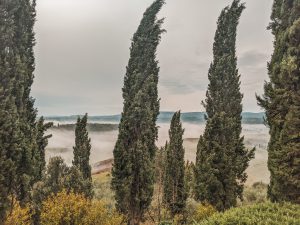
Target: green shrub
257 193
259 214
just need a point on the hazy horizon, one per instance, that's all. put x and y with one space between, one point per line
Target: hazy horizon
118 114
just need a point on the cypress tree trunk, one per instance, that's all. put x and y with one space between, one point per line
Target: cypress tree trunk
82 151
175 194
134 152
282 103
221 155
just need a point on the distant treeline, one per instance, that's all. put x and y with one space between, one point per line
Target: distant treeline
91 127
164 117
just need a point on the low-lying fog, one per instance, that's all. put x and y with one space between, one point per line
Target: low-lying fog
256 135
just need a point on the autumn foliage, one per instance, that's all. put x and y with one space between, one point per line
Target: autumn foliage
75 209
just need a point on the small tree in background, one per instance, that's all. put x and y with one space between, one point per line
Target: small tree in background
175 194
82 151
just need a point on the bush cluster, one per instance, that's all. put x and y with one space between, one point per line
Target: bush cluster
258 214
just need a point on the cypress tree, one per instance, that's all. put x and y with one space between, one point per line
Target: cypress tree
134 152
19 131
10 135
175 194
221 155
23 15
282 103
82 151
24 18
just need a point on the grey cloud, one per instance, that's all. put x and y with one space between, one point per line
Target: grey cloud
83 48
253 59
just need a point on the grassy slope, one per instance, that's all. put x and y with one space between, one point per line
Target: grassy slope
102 188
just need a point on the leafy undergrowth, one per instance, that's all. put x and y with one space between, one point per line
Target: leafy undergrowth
258 214
257 193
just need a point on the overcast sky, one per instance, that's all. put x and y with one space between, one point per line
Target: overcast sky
83 48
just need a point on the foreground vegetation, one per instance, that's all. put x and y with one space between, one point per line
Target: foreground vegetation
69 208
258 214
149 185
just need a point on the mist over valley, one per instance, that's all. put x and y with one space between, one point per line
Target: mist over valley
103 131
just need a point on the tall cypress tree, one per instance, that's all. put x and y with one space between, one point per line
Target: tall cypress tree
175 194
19 58
10 134
82 151
24 17
221 155
30 165
282 103
134 152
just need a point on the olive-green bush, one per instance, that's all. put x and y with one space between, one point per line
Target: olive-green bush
258 214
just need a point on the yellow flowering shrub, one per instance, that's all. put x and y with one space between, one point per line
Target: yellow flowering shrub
74 209
203 211
18 216
99 214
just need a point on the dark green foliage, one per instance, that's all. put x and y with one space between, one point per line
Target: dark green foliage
9 129
55 176
10 151
17 66
258 214
82 151
175 193
282 103
221 155
75 181
18 131
134 152
24 18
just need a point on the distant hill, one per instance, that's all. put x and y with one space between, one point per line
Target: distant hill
164 117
